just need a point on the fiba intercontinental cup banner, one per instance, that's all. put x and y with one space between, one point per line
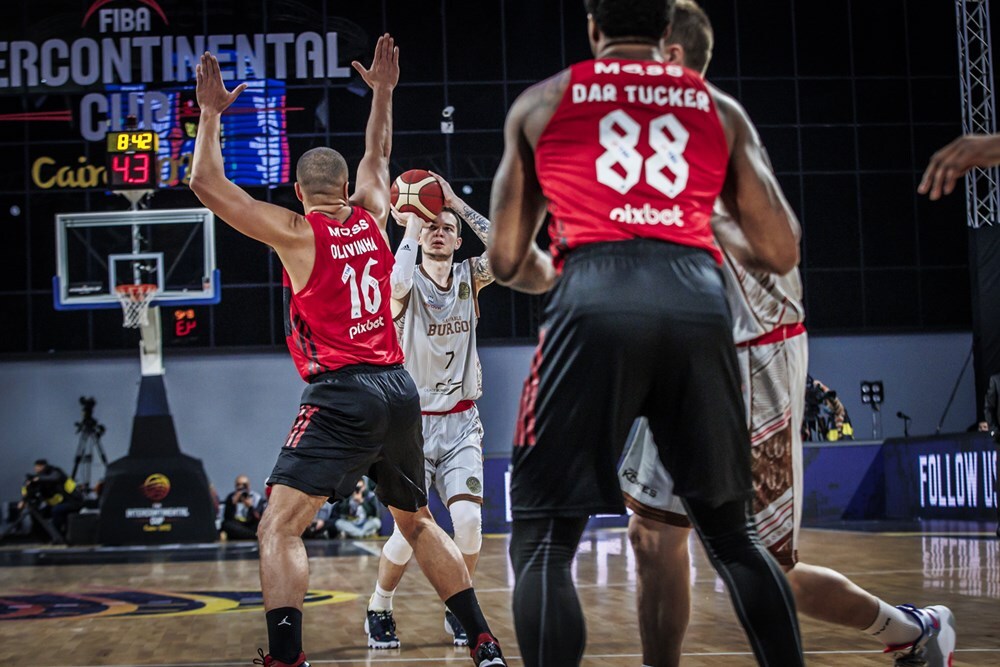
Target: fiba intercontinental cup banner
79 69
156 500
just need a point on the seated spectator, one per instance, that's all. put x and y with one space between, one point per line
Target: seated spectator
358 515
53 493
321 528
243 509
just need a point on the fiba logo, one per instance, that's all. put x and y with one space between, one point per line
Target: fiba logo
156 487
124 19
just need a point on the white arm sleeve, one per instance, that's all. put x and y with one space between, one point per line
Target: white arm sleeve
401 279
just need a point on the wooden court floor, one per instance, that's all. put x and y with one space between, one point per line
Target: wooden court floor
207 613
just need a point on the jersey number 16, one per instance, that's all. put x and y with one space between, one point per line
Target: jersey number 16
366 287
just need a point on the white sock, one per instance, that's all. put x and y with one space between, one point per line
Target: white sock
381 599
894 627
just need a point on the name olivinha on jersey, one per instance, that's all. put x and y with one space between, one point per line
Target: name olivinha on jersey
354 248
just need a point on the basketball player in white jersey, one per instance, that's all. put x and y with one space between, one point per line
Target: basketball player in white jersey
772 350
435 308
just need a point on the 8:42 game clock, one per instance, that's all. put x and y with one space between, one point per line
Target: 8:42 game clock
131 162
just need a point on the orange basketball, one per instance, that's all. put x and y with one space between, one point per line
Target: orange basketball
416 191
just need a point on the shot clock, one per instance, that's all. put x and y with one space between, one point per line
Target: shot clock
131 162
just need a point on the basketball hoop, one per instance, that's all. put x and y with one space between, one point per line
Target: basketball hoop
135 300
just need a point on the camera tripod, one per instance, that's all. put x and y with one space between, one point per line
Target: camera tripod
90 431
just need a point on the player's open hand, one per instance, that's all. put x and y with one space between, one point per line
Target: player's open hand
447 193
210 90
385 64
405 219
956 159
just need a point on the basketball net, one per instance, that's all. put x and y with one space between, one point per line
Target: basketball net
135 300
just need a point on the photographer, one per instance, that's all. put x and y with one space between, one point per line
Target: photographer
358 516
825 416
53 493
321 528
243 509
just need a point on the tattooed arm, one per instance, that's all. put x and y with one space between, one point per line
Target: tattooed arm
480 225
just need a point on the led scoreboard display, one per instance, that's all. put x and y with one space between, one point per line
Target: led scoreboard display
132 160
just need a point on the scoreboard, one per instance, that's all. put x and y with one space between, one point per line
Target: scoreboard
132 160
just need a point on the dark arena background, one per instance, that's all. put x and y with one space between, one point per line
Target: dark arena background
851 98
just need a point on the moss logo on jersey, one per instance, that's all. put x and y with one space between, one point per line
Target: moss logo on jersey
156 487
464 291
474 485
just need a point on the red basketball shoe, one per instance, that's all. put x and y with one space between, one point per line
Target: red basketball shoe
268 661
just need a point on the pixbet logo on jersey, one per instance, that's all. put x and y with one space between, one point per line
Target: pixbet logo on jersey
647 215
365 327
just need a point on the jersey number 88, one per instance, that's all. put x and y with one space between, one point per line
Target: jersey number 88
619 135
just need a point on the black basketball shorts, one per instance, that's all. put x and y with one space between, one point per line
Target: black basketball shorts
357 420
632 328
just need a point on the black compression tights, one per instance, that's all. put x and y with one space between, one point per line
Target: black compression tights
759 591
547 614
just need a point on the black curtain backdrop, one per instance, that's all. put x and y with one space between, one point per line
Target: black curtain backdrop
984 269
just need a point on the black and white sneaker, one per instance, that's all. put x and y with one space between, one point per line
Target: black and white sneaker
455 629
487 652
381 629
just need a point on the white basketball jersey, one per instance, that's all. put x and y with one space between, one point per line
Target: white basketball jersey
437 331
760 301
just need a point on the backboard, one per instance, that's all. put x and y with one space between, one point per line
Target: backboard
173 249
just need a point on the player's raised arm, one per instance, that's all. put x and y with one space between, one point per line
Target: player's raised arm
372 189
752 195
265 222
401 279
482 274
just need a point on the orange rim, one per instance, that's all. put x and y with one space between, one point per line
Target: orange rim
135 292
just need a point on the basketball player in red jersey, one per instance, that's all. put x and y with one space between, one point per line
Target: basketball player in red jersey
360 413
771 339
628 154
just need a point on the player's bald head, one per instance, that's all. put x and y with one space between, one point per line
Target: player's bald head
321 170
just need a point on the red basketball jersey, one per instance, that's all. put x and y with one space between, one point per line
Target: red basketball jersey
635 149
342 316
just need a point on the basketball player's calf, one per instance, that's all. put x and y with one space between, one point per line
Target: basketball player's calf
380 624
284 573
442 564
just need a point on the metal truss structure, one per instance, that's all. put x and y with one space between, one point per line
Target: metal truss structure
975 59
